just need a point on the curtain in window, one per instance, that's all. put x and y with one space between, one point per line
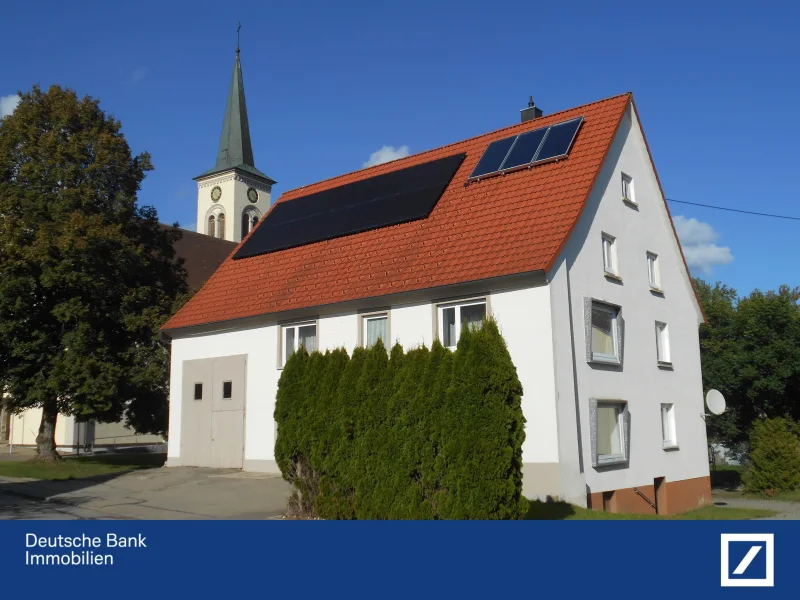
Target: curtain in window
289 342
221 227
212 226
449 327
377 329
473 316
608 438
308 337
602 332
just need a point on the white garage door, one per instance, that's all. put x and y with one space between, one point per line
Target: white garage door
212 416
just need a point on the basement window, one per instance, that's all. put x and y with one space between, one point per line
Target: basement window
453 317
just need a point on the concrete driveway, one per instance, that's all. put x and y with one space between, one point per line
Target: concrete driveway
163 493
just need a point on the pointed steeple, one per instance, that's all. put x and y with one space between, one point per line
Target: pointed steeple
235 149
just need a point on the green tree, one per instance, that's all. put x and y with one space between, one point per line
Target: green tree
86 275
774 457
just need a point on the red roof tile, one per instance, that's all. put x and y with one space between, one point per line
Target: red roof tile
499 226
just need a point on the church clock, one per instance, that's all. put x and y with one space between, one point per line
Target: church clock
216 193
252 195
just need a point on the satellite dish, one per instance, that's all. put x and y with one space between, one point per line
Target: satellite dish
715 402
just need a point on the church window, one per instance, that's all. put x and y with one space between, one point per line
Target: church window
212 226
221 227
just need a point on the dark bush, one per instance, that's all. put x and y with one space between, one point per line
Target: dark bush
425 435
774 457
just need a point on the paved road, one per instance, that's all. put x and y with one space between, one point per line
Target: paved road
164 493
785 510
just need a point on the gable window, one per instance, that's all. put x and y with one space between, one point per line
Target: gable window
610 255
653 275
610 432
668 436
662 343
375 327
455 316
603 332
302 335
627 189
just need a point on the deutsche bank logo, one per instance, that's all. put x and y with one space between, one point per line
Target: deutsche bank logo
748 559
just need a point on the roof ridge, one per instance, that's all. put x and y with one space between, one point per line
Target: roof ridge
439 148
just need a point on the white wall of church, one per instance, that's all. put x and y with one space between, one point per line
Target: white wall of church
232 202
523 315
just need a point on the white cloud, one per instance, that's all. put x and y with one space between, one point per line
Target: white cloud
697 240
138 74
385 154
8 104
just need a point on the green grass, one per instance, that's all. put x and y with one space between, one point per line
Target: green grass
80 467
568 512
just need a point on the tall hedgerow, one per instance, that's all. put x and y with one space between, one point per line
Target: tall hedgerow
774 457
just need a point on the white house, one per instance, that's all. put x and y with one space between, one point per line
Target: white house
557 226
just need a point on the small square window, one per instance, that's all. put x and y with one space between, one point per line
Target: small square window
653 275
604 334
198 391
668 435
453 318
296 336
627 189
375 327
610 432
227 390
662 343
610 254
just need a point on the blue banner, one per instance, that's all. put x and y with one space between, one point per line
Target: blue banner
312 559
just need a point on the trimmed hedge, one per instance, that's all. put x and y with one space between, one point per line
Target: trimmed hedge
774 457
427 434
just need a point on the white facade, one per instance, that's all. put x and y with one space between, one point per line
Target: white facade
544 321
233 200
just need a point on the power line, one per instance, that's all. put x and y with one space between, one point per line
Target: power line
736 210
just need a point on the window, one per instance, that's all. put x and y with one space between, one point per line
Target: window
212 226
610 254
227 389
453 318
198 391
652 271
627 189
669 439
221 226
605 334
610 432
296 336
249 220
662 343
375 327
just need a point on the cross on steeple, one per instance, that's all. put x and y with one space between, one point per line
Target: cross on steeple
237 38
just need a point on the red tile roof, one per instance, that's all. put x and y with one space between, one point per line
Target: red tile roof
499 226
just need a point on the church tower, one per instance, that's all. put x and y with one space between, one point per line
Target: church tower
233 195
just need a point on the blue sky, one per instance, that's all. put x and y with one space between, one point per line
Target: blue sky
329 84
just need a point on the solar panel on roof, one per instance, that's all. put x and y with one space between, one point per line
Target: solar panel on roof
396 197
493 157
559 140
529 148
524 149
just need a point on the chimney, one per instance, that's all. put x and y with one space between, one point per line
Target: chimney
532 112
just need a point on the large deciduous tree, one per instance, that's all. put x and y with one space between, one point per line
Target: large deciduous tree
87 276
750 350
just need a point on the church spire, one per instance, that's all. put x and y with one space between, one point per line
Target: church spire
235 149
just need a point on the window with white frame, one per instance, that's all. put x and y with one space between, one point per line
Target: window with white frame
452 317
653 275
301 335
374 328
662 343
668 435
610 432
610 254
627 189
604 333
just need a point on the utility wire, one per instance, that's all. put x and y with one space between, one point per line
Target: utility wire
736 210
